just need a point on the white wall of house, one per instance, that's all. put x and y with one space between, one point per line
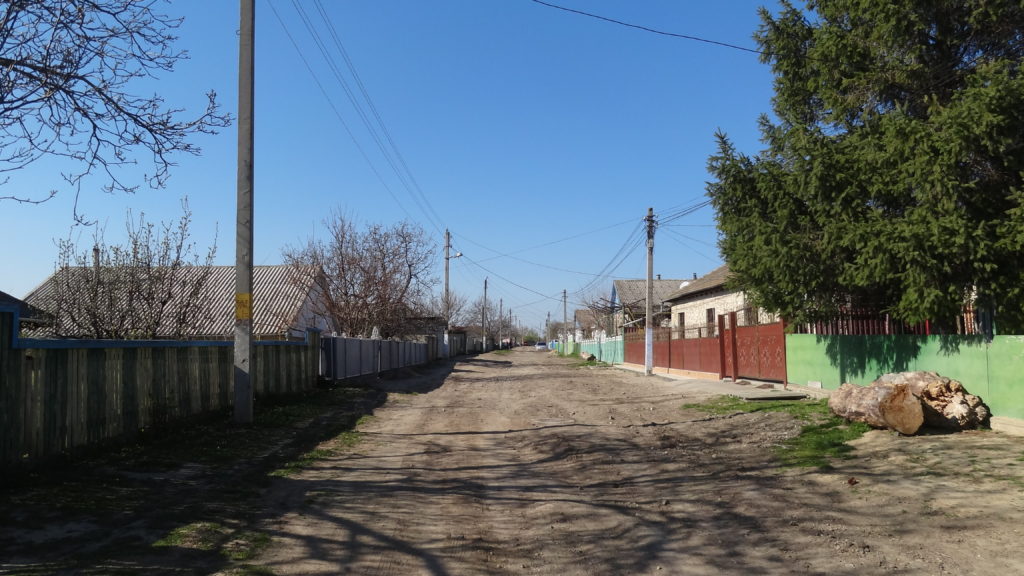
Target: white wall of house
309 316
591 334
694 314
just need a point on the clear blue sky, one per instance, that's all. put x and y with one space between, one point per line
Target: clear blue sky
539 137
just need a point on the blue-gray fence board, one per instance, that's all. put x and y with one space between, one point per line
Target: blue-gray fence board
351 357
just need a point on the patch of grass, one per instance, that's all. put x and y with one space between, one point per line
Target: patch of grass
802 409
304 461
503 352
214 537
249 570
195 536
824 437
817 443
245 546
345 439
589 363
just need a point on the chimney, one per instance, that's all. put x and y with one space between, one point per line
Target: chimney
694 275
659 276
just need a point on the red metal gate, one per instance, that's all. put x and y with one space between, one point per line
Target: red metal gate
757 351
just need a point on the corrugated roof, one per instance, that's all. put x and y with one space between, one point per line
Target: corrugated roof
633 293
278 297
712 280
586 317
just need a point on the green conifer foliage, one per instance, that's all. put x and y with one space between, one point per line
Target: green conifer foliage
892 170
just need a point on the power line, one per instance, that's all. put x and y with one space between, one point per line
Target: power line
523 260
646 29
377 130
545 244
373 109
517 285
337 113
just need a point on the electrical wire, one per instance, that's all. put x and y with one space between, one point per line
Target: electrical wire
377 130
337 113
376 114
647 29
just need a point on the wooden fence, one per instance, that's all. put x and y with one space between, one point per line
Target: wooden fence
56 395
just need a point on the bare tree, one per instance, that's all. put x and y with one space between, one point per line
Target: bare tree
64 90
474 317
602 309
376 278
151 287
458 308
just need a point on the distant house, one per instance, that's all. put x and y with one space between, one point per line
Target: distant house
629 298
696 304
284 304
589 324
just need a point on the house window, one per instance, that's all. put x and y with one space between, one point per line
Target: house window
710 323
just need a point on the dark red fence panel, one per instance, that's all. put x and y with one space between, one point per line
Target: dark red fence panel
661 353
772 347
748 356
635 352
709 355
677 354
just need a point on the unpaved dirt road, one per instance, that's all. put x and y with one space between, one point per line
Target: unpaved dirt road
521 463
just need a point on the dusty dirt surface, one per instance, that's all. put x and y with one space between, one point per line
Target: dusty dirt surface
525 463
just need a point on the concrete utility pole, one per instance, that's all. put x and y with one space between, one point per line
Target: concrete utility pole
511 331
483 314
649 330
501 302
565 321
447 297
244 210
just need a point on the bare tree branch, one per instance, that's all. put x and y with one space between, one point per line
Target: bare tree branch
151 287
377 278
65 72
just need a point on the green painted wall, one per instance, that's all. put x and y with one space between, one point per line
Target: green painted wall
991 370
609 351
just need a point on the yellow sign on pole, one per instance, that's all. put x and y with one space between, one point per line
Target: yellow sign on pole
243 306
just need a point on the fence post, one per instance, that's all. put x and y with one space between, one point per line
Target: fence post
732 343
721 346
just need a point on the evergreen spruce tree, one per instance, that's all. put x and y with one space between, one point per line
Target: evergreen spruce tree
892 170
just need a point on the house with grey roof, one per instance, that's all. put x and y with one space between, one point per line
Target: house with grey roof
630 300
696 304
285 304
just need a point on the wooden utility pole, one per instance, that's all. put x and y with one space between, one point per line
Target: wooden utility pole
244 376
501 317
649 324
